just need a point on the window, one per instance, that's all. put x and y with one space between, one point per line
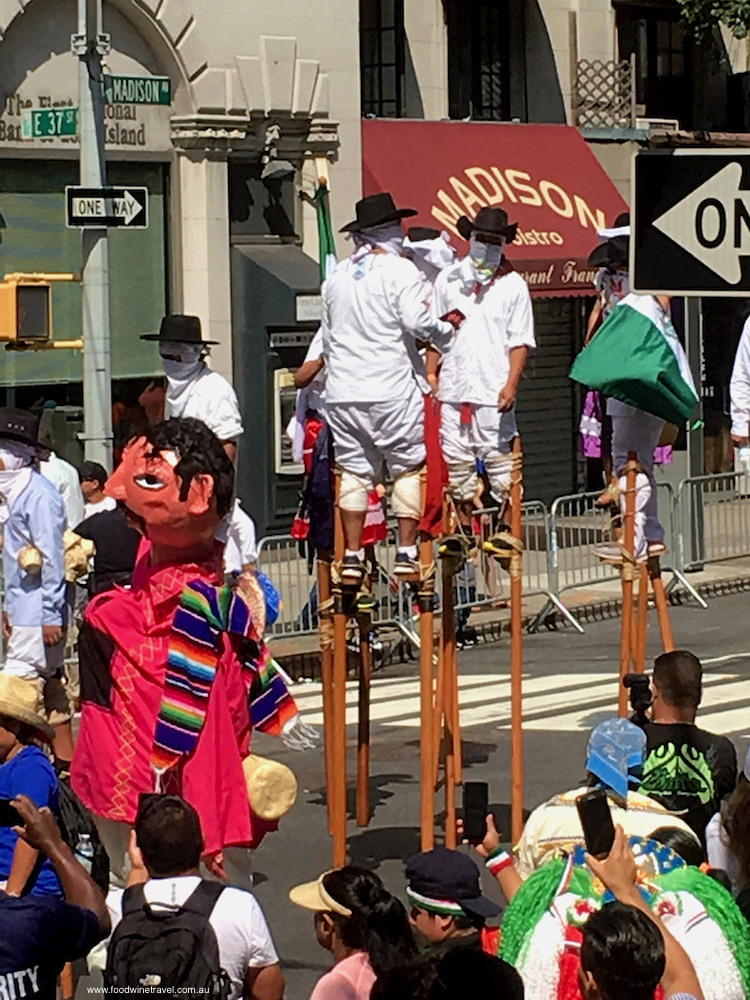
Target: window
662 60
381 51
478 59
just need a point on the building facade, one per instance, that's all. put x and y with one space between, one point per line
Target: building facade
269 98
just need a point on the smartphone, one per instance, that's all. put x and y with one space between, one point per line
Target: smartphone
596 820
9 815
476 808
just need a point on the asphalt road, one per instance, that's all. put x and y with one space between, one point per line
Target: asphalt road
570 685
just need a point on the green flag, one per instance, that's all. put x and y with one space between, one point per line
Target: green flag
636 357
326 242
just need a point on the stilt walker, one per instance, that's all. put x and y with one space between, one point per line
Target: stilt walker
374 313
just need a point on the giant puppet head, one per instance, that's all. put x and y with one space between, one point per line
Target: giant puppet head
176 483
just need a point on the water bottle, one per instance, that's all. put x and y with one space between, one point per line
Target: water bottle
85 851
743 458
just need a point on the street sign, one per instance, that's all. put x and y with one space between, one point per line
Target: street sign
138 90
691 222
110 207
48 123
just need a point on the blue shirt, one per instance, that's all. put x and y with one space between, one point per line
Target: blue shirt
38 935
38 517
29 773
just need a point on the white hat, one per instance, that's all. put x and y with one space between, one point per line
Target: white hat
21 700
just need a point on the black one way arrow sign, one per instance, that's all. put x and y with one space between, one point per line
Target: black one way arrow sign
691 222
110 207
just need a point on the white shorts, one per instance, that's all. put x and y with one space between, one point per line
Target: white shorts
489 433
28 657
367 434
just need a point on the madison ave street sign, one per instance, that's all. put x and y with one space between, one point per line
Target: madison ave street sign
691 222
99 208
138 89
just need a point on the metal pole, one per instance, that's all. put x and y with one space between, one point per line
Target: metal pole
694 351
90 44
627 573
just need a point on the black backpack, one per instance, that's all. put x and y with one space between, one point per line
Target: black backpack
75 822
170 949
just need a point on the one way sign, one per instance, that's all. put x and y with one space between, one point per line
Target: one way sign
691 222
99 208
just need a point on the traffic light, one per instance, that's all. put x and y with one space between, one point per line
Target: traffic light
25 309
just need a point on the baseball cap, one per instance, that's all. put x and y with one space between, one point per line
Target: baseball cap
446 881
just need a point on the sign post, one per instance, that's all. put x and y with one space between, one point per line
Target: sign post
90 44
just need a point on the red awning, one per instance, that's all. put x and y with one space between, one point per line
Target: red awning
544 176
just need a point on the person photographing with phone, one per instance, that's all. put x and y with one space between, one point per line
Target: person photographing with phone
39 934
627 950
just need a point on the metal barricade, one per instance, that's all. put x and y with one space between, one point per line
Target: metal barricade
283 561
714 515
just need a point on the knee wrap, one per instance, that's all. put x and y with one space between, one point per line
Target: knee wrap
499 469
354 491
407 494
463 479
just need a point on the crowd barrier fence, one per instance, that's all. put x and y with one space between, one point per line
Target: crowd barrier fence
706 520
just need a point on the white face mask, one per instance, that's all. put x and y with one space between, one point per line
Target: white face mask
183 364
485 258
389 237
15 455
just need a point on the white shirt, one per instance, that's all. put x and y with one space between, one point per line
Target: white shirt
89 509
477 364
241 547
312 397
65 477
213 400
237 920
374 311
718 853
739 387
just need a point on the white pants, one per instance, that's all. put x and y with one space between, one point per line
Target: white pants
635 430
365 435
28 657
489 437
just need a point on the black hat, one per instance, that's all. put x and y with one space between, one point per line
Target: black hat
179 330
20 425
418 233
614 251
376 210
442 877
492 221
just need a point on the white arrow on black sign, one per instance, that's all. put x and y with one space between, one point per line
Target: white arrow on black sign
712 223
125 208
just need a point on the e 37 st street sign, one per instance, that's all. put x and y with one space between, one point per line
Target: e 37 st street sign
691 222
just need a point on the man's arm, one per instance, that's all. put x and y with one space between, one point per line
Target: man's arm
47 524
416 315
24 859
506 399
500 864
617 872
307 371
266 983
41 832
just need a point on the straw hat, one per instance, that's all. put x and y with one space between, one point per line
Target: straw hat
313 896
271 787
20 700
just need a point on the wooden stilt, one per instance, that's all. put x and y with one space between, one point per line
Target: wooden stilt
458 754
439 710
516 645
426 688
363 728
325 623
662 608
641 621
338 818
626 574
450 692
